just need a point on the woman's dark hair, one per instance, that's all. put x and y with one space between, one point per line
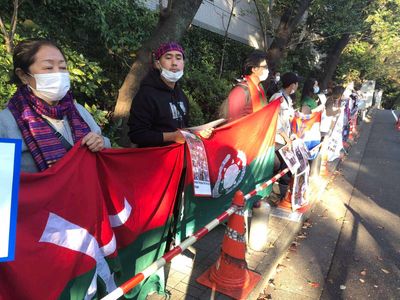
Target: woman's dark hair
25 52
308 88
253 61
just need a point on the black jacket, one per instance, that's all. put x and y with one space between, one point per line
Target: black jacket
156 109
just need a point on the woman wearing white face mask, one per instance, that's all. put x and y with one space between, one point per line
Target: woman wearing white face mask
160 107
248 95
310 91
42 112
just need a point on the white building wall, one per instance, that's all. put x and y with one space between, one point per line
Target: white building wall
214 15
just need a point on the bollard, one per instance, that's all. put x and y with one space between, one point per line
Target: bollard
258 235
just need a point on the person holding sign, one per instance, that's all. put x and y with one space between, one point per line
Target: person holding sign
42 112
160 107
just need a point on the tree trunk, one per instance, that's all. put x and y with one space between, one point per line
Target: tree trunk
288 23
171 26
332 60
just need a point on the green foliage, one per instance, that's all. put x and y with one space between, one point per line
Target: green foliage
206 90
6 88
196 116
87 77
376 56
100 37
202 65
100 116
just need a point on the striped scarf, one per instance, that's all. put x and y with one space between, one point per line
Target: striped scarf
43 144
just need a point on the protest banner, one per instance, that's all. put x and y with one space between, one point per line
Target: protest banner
335 139
240 156
96 220
92 221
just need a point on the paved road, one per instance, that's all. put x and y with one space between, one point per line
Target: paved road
366 262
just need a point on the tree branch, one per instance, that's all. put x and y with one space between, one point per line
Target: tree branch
3 28
13 23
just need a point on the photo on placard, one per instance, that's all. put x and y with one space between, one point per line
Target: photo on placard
199 164
299 151
290 159
300 185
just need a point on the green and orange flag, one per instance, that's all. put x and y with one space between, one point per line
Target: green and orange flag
240 156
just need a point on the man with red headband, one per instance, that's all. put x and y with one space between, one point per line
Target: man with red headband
160 107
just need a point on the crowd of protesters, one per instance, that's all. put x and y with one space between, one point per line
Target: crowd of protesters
43 114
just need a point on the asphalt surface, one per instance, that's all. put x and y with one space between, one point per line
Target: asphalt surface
366 263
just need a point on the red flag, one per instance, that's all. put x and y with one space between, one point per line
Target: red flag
72 219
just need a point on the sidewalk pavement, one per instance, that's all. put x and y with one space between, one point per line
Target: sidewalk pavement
283 229
303 273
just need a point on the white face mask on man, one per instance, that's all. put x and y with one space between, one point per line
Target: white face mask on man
264 75
51 86
171 76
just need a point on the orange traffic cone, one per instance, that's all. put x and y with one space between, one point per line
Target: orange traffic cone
230 275
286 202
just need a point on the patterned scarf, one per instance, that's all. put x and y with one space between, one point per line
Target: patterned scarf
43 144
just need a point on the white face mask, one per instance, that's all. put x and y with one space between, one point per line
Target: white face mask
51 86
171 76
277 78
264 75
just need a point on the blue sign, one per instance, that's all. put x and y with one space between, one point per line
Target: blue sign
10 165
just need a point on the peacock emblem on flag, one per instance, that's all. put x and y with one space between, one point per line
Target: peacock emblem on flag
230 174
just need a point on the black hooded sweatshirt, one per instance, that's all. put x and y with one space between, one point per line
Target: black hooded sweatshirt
156 109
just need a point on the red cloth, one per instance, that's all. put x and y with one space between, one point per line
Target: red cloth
87 190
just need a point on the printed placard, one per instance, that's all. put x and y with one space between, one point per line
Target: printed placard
10 161
199 163
290 159
299 190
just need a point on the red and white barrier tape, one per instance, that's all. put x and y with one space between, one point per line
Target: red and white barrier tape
167 257
265 184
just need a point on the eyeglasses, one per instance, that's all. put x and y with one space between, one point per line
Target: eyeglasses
265 67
